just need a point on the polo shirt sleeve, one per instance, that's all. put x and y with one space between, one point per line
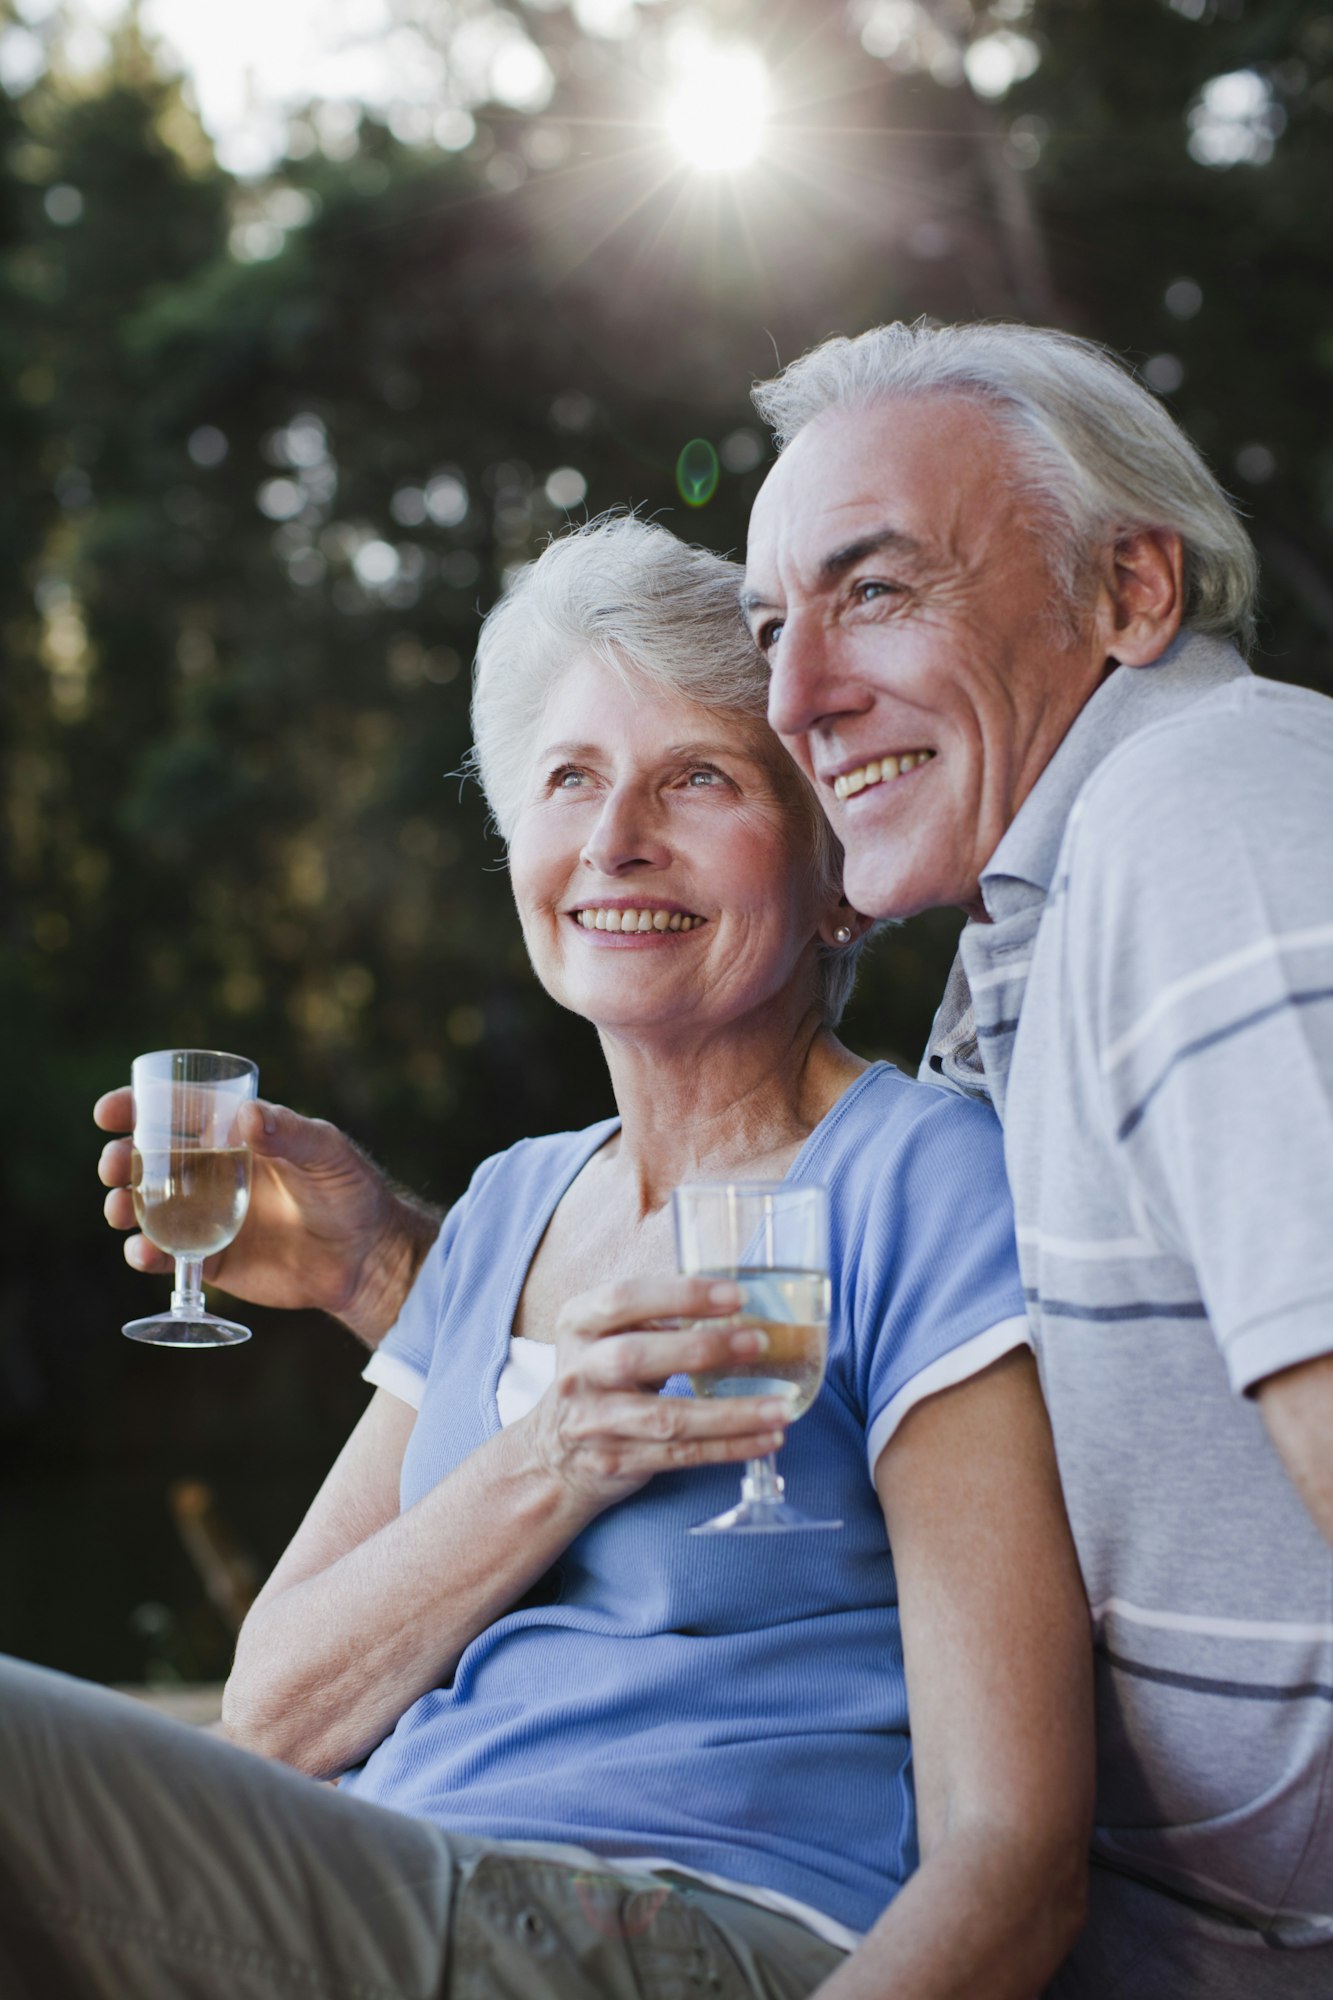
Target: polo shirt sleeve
935 1295
402 1360
1202 926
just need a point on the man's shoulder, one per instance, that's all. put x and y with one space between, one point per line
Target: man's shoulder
1241 750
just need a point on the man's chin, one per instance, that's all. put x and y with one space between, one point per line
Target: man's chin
879 891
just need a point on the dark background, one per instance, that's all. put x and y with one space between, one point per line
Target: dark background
236 614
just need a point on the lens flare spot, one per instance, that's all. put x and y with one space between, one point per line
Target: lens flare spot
697 473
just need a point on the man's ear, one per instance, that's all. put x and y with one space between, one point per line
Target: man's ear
1143 595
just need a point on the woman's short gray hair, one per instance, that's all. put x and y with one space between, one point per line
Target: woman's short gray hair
659 612
1097 453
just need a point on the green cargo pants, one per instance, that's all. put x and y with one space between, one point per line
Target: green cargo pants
143 1860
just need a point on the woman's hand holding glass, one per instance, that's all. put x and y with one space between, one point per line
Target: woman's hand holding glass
602 1429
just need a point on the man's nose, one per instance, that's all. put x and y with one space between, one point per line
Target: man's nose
807 683
626 834
802 687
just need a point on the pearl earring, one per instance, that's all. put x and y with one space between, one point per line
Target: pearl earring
843 934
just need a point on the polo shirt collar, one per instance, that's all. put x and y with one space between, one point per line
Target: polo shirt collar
1022 867
984 995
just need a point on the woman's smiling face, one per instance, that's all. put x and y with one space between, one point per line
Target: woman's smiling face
663 860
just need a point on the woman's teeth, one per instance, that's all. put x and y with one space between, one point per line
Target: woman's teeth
877 771
637 920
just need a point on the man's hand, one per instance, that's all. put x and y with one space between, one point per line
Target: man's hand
325 1227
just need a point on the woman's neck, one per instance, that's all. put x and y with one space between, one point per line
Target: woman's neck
741 1104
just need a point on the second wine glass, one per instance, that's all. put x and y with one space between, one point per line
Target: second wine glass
190 1179
772 1239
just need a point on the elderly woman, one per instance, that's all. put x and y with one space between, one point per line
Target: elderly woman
582 1752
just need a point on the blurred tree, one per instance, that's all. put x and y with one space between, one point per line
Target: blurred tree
271 445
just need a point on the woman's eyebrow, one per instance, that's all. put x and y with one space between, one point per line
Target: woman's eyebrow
684 753
670 753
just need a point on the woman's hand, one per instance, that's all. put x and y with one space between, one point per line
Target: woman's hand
325 1228
601 1429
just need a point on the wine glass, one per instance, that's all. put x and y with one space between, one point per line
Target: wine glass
772 1240
190 1179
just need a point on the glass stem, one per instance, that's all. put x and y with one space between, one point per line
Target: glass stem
761 1480
188 1296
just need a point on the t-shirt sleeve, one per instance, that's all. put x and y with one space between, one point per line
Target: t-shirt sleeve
1204 909
936 1296
402 1360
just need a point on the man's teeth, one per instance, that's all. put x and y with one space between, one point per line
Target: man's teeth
637 920
877 770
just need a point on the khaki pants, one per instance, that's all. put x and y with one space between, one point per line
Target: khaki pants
143 1860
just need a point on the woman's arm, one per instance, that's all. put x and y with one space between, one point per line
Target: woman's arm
369 1607
999 1682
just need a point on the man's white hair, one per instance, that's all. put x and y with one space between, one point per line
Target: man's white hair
661 614
1096 455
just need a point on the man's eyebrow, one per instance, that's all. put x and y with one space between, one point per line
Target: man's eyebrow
836 564
851 553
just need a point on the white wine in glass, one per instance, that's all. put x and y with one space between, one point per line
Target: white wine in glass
771 1239
190 1179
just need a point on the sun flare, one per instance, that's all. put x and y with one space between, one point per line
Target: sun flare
718 108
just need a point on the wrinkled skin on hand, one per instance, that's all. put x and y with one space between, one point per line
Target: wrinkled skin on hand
325 1227
597 1431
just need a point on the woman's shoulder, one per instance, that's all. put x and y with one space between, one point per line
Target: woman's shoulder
536 1163
885 1111
907 1163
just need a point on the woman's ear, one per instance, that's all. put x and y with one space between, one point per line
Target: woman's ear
843 926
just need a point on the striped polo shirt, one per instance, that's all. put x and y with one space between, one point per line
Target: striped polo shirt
1150 1009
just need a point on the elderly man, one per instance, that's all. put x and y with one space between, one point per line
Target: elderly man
1001 597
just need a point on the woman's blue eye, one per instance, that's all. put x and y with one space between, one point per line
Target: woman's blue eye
704 777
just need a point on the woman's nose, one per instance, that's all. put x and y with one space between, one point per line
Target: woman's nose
626 834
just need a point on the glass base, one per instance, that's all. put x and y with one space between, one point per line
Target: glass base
761 1517
186 1329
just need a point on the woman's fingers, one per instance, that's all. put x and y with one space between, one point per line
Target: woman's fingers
613 1308
684 1421
633 1360
622 1437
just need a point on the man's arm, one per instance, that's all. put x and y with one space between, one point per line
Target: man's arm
1297 1407
999 1681
325 1228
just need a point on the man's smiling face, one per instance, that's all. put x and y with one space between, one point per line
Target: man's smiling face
922 671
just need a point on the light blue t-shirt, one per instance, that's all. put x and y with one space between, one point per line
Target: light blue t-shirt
736 1706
